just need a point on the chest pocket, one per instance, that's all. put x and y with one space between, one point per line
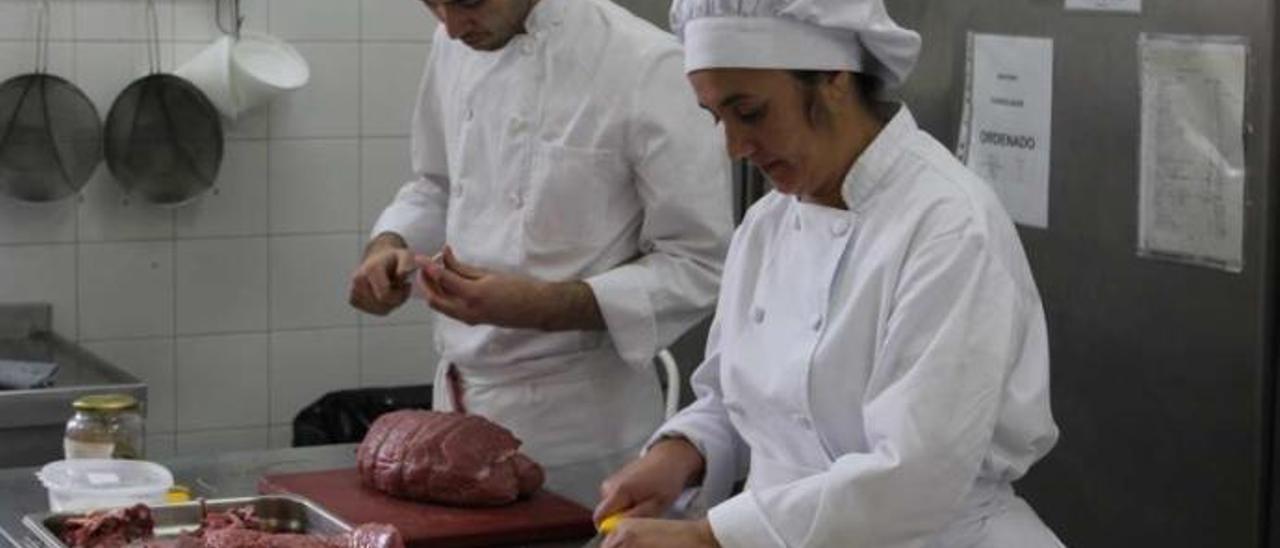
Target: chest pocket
574 193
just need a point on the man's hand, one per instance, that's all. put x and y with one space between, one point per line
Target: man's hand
646 487
476 296
661 533
378 285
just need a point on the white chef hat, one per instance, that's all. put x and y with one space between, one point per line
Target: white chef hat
852 35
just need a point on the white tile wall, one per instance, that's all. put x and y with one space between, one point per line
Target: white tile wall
308 364
22 222
161 446
237 203
42 274
123 20
309 280
106 213
18 20
221 441
222 285
387 103
104 69
20 58
232 308
400 354
395 20
151 360
385 168
314 186
329 105
222 382
330 20
281 436
194 19
126 289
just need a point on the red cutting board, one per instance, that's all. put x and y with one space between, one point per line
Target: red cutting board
542 517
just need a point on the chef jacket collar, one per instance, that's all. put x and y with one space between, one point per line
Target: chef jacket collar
869 174
545 15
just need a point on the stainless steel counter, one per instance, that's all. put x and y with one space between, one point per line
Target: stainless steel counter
32 421
236 474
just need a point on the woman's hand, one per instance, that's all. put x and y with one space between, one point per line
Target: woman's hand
661 533
646 487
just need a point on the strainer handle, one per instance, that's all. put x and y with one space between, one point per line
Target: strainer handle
153 37
237 20
42 37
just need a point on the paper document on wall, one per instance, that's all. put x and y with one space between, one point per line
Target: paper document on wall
1132 6
1192 172
1007 121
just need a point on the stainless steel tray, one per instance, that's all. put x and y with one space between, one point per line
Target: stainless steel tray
279 513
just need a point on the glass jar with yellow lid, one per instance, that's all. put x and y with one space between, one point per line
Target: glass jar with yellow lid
105 426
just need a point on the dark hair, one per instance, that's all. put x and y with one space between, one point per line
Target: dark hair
867 87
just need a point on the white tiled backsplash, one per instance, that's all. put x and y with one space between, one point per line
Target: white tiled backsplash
232 308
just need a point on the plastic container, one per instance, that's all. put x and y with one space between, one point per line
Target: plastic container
79 485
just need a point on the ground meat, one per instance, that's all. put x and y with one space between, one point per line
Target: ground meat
247 538
365 536
237 528
447 458
108 528
240 528
235 518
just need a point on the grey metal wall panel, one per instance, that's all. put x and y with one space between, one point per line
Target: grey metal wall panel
1161 372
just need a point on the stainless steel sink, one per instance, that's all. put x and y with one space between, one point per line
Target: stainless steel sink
32 420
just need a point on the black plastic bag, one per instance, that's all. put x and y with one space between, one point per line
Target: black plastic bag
345 416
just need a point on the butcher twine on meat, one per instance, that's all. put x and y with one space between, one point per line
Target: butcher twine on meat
447 458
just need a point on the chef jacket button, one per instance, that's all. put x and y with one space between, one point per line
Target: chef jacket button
527 47
817 322
803 421
840 228
517 125
517 200
757 315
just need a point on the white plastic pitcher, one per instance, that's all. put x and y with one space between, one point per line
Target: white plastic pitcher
239 75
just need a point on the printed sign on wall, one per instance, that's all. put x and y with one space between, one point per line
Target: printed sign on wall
1191 188
1007 121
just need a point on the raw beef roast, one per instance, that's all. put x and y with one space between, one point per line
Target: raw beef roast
448 458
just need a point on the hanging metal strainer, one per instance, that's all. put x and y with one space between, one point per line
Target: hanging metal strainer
50 133
163 136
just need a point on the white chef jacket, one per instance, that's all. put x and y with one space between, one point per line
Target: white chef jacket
883 369
576 152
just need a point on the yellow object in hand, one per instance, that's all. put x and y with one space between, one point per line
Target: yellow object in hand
607 525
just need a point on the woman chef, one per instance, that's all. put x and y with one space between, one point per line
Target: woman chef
879 354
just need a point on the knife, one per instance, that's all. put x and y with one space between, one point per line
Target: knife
606 526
